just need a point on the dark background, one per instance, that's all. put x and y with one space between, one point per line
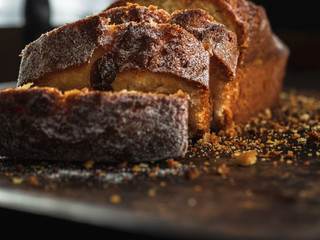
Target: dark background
295 22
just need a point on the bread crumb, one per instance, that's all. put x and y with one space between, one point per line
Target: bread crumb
122 165
192 174
152 192
223 169
88 164
192 202
17 180
152 175
245 158
163 184
267 114
315 136
172 163
209 138
33 181
115 198
136 168
198 188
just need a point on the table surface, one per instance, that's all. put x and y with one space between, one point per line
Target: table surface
205 194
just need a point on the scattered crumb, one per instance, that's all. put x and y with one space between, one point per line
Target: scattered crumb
192 174
223 169
17 180
198 188
152 192
314 136
192 202
163 184
115 198
152 175
33 181
136 168
306 163
50 187
209 138
122 165
245 158
88 164
172 163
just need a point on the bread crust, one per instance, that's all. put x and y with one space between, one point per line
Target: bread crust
83 125
51 52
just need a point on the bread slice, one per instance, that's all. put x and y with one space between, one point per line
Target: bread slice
220 42
81 125
147 57
222 46
262 55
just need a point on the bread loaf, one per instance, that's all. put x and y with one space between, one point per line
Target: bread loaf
133 82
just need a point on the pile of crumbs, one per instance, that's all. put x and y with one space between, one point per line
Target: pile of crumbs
289 135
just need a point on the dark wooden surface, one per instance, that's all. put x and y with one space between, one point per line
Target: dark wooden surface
276 198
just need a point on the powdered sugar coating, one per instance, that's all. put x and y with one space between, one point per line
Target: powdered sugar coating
219 41
135 13
160 48
43 123
68 46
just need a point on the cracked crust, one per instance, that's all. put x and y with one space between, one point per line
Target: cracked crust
83 125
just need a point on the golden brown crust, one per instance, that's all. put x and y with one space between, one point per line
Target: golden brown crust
43 123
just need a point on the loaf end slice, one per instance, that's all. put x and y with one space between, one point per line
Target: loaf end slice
79 125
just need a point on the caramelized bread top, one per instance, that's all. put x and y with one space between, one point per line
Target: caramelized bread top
159 48
218 40
135 13
246 19
67 46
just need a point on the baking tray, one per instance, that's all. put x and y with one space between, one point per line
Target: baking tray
203 195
